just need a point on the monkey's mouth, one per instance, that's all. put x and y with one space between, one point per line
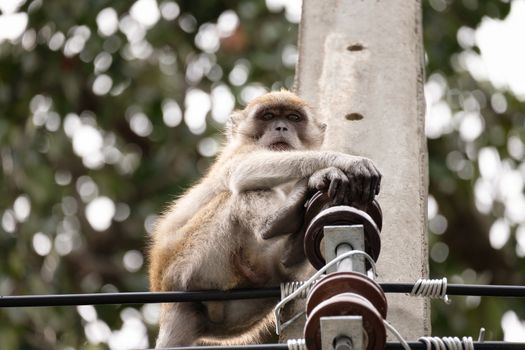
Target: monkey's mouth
280 146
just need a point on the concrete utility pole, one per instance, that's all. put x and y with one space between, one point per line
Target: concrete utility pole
361 66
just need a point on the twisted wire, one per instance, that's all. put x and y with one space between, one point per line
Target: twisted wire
431 288
448 343
296 344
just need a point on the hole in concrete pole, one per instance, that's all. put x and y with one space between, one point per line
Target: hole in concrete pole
354 116
355 47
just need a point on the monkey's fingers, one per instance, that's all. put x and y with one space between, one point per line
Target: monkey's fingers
373 178
348 195
361 191
378 186
374 186
376 178
352 190
318 182
365 190
334 187
372 189
367 193
335 183
343 194
340 195
358 189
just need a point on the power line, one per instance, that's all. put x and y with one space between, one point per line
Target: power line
237 294
486 345
135 297
463 289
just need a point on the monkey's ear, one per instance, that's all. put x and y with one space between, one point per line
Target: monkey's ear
233 122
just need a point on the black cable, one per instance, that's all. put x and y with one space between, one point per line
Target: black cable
234 347
237 294
135 297
463 289
487 345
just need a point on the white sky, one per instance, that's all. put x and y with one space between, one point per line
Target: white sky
502 48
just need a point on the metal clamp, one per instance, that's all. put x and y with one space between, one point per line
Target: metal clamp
341 239
342 333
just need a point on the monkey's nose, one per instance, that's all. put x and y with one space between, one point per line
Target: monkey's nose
281 128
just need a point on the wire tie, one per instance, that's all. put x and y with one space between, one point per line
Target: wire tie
481 336
448 343
431 288
296 344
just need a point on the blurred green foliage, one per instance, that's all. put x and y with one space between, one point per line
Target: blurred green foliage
97 129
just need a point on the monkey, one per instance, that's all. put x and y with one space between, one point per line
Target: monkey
240 225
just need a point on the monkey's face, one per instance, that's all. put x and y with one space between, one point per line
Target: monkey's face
279 121
279 128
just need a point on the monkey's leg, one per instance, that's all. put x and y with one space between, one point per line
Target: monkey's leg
288 218
181 325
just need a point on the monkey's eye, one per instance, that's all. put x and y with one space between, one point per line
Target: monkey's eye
294 117
267 116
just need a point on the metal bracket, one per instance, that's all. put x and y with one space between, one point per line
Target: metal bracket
342 333
342 239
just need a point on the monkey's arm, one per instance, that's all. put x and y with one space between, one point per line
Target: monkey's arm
186 206
267 169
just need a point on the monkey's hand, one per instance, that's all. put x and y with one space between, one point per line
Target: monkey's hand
334 183
364 177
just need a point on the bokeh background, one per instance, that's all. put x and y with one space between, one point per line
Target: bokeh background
108 109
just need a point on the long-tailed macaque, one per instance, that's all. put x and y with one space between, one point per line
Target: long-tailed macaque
239 227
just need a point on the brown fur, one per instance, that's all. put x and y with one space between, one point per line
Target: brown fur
236 227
